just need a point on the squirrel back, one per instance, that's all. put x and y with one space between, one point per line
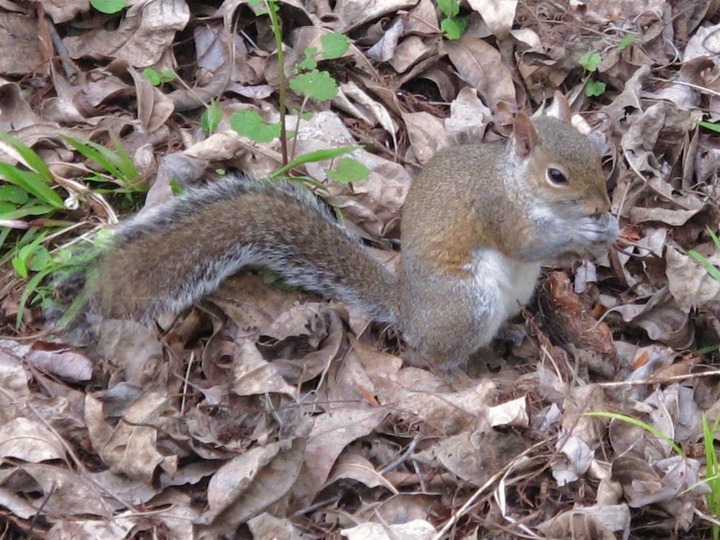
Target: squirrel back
165 259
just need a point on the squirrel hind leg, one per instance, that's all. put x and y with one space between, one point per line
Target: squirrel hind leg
70 315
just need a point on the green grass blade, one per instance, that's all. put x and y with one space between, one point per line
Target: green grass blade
30 287
29 155
639 423
312 157
714 236
31 182
712 472
87 150
711 269
30 210
120 160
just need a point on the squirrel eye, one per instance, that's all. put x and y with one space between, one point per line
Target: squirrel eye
556 177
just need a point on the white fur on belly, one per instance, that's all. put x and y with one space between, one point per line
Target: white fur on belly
513 281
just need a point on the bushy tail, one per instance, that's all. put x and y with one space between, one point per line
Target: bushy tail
167 258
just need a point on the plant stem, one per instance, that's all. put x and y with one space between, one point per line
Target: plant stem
282 90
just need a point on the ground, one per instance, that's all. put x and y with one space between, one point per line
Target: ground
267 412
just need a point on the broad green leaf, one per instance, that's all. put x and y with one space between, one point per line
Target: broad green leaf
590 61
252 125
210 119
454 28
313 157
715 237
94 154
625 42
594 88
315 84
349 170
152 75
30 287
39 259
108 6
4 233
334 45
156 77
449 8
308 62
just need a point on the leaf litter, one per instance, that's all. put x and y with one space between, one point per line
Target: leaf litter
264 413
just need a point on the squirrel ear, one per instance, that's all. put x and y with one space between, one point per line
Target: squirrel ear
525 136
560 108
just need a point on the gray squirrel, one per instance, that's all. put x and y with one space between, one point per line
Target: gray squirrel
478 222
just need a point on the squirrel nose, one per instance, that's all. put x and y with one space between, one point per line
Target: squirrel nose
598 206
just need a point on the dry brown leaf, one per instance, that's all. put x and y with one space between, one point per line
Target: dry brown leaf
497 14
254 375
589 523
116 529
469 117
384 49
17 113
131 446
64 492
145 32
29 440
61 362
410 51
662 319
20 44
355 467
480 65
354 13
268 526
688 281
331 433
426 134
416 529
247 485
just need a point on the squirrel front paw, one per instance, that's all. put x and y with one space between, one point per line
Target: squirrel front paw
602 229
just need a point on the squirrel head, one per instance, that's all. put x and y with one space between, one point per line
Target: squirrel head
562 169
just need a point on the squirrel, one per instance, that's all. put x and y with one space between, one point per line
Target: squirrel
477 224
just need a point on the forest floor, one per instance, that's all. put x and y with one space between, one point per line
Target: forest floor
266 412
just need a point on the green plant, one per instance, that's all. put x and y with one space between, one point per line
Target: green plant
109 7
452 24
118 165
711 269
626 42
639 423
29 192
712 472
590 62
709 125
210 119
158 78
308 82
